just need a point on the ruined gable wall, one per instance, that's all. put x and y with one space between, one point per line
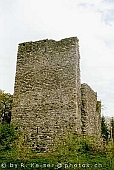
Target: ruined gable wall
47 92
90 111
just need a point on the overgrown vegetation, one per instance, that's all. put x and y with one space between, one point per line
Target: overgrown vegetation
6 100
104 129
70 151
7 136
112 129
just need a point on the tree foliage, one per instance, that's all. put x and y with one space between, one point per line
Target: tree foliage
112 128
6 100
7 136
104 129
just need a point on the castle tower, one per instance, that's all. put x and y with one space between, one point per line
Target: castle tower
47 96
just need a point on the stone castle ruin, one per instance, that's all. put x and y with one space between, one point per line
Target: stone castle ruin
48 96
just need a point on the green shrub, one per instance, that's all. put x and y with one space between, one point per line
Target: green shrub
7 136
110 153
23 149
72 148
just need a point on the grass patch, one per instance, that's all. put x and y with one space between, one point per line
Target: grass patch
68 152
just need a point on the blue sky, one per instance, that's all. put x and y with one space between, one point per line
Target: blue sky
91 21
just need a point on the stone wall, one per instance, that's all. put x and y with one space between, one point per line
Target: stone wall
90 110
47 96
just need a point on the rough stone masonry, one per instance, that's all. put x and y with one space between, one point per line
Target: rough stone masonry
48 96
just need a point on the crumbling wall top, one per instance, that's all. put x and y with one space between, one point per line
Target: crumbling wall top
86 88
47 43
